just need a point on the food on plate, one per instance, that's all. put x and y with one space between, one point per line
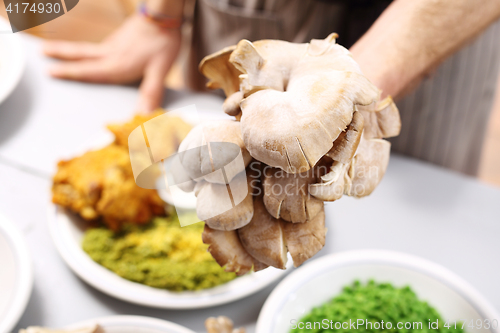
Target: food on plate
373 303
308 126
100 185
36 329
221 325
161 254
176 130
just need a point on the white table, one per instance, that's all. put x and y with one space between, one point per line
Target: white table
419 208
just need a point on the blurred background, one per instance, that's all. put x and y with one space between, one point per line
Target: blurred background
93 20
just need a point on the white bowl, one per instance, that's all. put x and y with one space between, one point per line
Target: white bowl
320 280
12 59
132 324
67 231
16 275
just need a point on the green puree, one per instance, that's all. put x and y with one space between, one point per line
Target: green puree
160 254
374 302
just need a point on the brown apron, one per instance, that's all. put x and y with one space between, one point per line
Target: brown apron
444 119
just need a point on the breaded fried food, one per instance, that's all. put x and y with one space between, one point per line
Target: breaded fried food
172 131
100 184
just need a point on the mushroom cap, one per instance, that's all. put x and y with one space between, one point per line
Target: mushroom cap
345 146
265 64
213 146
225 207
226 248
220 72
263 237
231 105
382 119
332 184
286 195
358 178
368 167
304 240
302 122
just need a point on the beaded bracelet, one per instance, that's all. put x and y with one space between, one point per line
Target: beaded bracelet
161 20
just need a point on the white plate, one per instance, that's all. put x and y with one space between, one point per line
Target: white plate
16 275
67 231
12 59
320 280
132 324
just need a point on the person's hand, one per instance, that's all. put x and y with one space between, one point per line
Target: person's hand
137 49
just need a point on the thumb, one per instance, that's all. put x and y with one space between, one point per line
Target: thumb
153 85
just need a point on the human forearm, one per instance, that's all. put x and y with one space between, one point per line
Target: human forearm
412 37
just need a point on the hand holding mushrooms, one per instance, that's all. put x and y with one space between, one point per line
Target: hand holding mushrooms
308 127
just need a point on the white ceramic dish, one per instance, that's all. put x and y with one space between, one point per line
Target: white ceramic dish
16 275
320 280
132 324
12 59
67 231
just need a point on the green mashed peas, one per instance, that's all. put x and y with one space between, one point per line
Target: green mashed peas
161 254
373 303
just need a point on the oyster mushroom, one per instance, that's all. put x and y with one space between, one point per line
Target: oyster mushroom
359 177
231 105
304 240
220 72
221 324
213 147
332 184
314 122
345 146
286 195
226 248
368 167
381 119
225 207
307 103
263 237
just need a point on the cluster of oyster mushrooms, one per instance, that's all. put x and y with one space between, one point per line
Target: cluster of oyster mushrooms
308 127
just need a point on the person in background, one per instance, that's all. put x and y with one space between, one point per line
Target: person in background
407 48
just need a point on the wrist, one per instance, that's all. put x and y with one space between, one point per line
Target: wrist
172 8
155 12
388 76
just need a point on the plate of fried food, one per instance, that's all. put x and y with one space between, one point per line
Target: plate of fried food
127 242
